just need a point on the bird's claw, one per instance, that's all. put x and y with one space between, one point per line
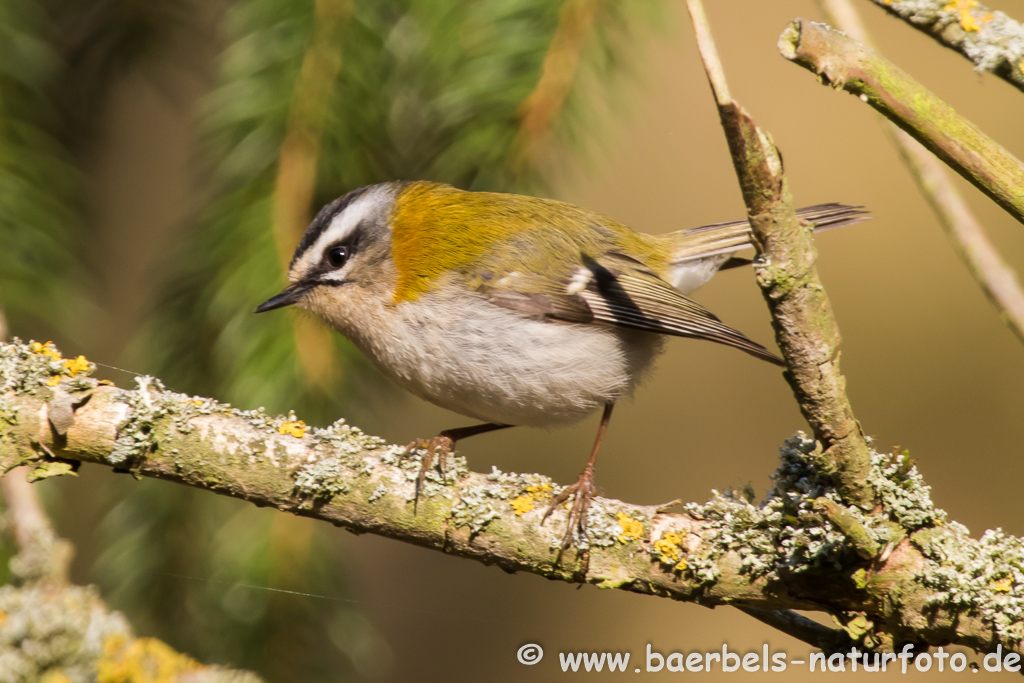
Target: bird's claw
438 448
582 492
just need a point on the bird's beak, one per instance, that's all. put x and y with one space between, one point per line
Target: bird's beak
290 295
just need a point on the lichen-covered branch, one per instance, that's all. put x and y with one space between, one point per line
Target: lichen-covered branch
992 273
42 556
987 37
805 328
844 63
930 582
51 630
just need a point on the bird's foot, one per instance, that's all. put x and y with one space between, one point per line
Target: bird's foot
437 448
582 492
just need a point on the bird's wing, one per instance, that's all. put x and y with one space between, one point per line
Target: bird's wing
617 290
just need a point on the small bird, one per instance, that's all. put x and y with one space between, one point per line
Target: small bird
512 310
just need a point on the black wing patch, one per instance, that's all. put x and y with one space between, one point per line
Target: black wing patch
617 290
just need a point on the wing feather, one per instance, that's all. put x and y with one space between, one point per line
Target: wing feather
617 290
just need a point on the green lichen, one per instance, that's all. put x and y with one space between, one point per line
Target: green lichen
67 634
136 435
603 529
902 491
996 45
24 371
477 507
322 479
377 493
983 577
789 533
42 630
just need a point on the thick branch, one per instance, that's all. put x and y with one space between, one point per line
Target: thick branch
995 277
932 583
847 64
989 38
805 328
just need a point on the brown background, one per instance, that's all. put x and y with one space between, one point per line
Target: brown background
929 364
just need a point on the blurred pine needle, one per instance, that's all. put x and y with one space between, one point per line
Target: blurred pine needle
313 98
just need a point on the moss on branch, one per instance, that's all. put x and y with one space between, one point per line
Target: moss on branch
844 63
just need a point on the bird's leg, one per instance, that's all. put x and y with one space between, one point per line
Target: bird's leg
583 490
441 445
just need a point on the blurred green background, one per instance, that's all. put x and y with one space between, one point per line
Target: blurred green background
159 159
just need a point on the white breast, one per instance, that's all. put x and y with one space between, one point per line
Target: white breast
463 353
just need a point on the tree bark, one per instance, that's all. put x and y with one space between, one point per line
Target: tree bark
930 583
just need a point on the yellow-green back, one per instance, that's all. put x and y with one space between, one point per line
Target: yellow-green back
437 228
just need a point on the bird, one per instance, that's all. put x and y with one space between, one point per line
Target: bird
513 310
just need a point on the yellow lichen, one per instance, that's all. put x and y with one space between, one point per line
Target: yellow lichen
523 504
542 491
53 381
296 428
967 21
76 365
963 9
47 349
142 660
55 676
1001 586
631 528
668 547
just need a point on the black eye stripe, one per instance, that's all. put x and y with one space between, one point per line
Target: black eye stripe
323 220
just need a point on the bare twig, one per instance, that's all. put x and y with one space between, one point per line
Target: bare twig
989 38
805 328
826 639
845 63
995 277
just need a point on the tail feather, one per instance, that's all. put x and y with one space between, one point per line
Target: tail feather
724 238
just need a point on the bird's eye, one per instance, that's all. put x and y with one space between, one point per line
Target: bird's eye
337 256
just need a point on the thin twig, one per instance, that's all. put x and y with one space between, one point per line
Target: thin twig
995 277
826 639
709 54
805 328
844 63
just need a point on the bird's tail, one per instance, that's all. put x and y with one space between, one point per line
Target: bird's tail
721 239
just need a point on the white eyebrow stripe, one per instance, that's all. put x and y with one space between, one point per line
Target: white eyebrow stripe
341 226
347 221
